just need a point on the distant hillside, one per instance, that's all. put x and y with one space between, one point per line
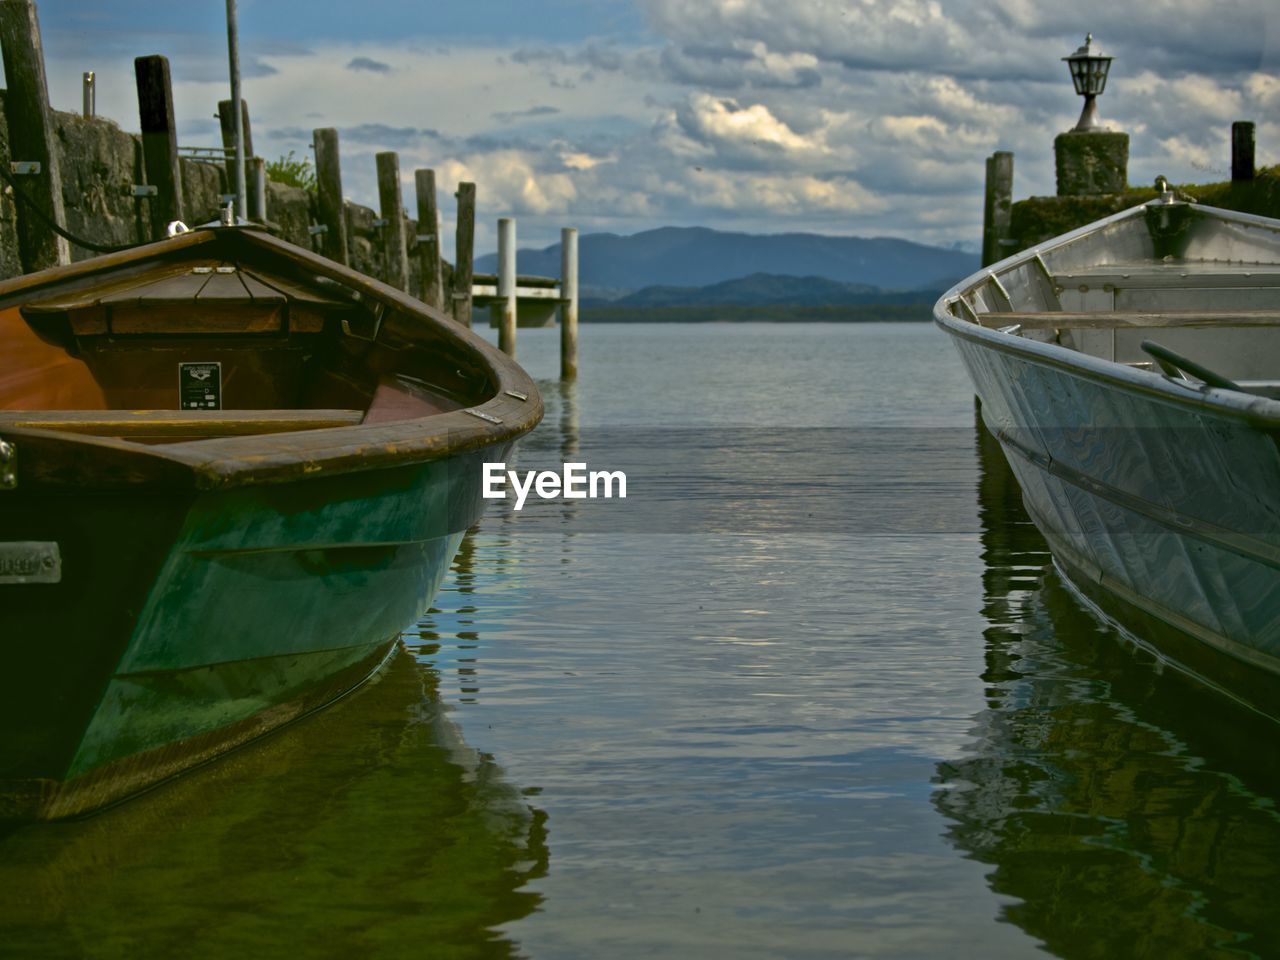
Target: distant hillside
700 257
762 289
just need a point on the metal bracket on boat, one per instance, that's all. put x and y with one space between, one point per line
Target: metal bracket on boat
484 416
517 394
378 311
8 466
176 227
25 168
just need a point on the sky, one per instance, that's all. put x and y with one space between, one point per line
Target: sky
844 117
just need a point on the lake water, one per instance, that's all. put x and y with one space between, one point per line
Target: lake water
812 690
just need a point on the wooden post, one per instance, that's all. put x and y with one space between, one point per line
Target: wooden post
424 182
227 122
31 136
159 141
568 304
258 190
998 207
464 253
389 200
506 302
333 241
1242 147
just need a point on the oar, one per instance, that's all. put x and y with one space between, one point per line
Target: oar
1174 364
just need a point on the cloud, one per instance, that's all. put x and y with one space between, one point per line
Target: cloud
584 161
839 116
741 135
369 64
511 176
507 116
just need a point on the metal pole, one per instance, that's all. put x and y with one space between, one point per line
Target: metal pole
89 94
233 47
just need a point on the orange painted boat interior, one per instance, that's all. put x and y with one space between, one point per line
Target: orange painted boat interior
277 350
37 375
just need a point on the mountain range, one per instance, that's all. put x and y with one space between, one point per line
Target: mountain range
761 289
694 258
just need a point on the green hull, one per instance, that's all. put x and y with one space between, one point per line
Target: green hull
184 626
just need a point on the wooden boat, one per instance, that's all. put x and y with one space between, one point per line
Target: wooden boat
1130 371
231 472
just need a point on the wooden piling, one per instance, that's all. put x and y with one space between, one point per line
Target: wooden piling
227 123
395 254
1242 150
997 207
464 253
31 136
428 246
333 241
568 304
506 302
258 190
159 141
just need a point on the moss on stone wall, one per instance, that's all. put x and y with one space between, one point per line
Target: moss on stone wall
1038 219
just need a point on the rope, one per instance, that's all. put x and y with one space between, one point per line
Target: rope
53 225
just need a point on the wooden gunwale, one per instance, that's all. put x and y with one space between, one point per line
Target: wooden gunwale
284 457
177 423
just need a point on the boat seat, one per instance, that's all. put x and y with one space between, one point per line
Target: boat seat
1121 319
171 426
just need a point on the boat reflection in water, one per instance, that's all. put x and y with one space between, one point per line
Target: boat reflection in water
1128 809
368 830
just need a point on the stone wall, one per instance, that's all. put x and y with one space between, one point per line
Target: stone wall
100 165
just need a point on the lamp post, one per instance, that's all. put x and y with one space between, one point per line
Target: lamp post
1089 74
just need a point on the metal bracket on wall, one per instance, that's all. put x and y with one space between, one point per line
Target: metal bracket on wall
24 168
8 466
318 228
144 190
381 222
